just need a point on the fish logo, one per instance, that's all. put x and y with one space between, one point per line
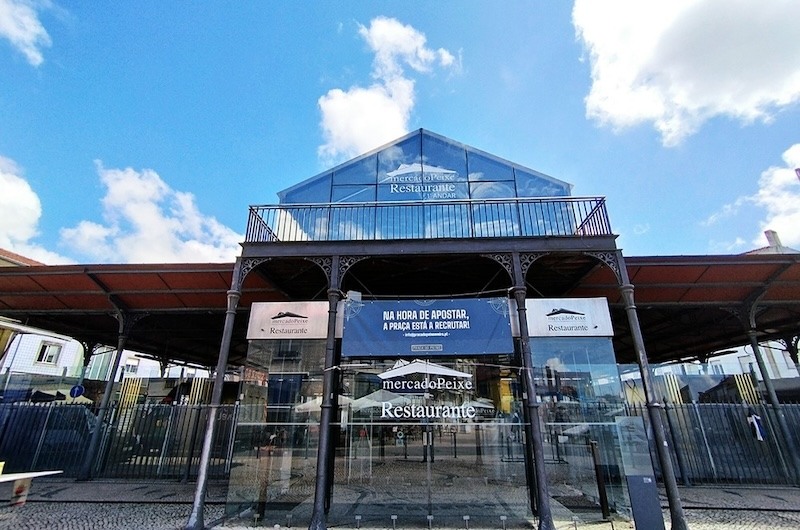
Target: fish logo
287 314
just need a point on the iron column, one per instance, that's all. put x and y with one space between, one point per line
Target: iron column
195 521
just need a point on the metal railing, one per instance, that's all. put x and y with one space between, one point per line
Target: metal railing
710 442
165 441
717 442
538 217
139 441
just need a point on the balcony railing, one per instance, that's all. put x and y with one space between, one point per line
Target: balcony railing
540 217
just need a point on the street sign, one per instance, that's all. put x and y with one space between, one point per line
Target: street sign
76 391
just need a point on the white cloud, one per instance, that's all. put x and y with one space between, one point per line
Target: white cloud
736 246
361 118
778 196
678 64
20 25
21 210
146 221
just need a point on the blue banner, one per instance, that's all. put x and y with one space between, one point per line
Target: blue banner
426 328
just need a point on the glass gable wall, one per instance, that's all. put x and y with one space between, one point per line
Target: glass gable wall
425 186
424 166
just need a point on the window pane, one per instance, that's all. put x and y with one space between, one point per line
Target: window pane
353 194
530 185
443 160
358 172
314 191
392 158
482 168
48 353
492 190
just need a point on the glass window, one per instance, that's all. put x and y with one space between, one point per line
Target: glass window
357 172
578 382
353 194
482 168
398 157
495 220
443 161
48 353
580 371
491 190
131 366
531 185
314 190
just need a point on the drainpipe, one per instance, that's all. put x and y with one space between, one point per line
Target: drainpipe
533 428
195 521
653 406
325 451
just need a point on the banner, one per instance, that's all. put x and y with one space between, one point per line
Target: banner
568 317
426 328
288 320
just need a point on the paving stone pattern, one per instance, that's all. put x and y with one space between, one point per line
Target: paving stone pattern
63 504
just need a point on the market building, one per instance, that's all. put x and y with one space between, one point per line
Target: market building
396 322
428 290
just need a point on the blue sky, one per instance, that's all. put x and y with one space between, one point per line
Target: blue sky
142 131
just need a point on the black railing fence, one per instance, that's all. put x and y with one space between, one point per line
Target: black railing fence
139 441
711 442
539 217
727 442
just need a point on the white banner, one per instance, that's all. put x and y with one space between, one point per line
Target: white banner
568 317
288 320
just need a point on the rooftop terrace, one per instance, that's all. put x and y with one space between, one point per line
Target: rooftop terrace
450 219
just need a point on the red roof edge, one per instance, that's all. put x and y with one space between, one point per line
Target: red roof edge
16 259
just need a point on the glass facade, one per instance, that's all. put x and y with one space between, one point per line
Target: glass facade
275 445
431 426
436 444
424 167
578 382
425 186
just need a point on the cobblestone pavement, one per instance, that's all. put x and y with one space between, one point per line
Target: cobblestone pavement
64 504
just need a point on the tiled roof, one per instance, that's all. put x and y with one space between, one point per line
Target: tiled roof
8 258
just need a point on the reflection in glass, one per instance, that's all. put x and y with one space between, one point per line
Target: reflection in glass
275 443
425 168
387 461
495 219
406 152
483 168
438 152
578 382
311 191
533 185
359 171
491 190
353 194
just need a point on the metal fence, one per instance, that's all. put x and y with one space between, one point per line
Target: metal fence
727 442
712 442
139 441
540 217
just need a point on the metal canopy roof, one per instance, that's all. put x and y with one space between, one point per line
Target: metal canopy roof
688 306
184 304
